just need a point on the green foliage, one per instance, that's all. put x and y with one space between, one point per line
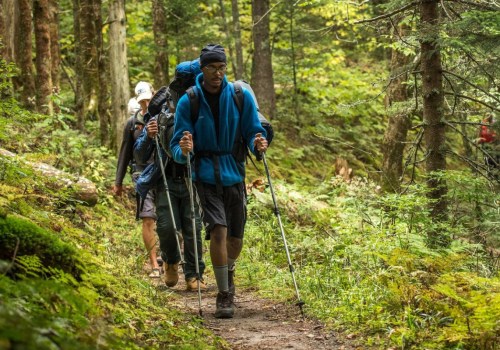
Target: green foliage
362 263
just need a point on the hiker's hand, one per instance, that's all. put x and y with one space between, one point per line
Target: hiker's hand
260 143
186 143
117 190
152 128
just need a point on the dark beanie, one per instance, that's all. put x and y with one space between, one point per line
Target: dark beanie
212 53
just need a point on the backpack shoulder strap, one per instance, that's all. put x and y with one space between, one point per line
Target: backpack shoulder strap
238 96
194 101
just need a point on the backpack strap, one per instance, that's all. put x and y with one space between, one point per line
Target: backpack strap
194 101
238 96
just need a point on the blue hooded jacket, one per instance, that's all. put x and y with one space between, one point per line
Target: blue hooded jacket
205 138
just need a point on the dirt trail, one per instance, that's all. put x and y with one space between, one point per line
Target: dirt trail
259 323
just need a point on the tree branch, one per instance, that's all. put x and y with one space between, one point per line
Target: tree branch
478 167
413 152
471 57
473 99
467 123
399 35
386 15
478 5
471 84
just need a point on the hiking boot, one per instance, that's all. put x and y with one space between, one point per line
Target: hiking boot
171 275
192 284
230 280
224 305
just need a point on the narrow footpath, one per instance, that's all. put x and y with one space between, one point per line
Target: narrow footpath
258 323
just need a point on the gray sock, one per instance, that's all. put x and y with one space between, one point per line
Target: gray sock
230 263
220 273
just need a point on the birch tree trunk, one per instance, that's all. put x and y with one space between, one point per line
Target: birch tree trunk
262 68
120 92
41 16
239 72
161 74
433 100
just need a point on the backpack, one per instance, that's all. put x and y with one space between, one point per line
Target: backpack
184 78
240 151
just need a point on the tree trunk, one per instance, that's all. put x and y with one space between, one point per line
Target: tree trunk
229 44
399 122
239 72
262 68
89 35
54 46
120 92
41 16
161 76
433 104
11 12
294 60
78 64
25 56
102 78
2 29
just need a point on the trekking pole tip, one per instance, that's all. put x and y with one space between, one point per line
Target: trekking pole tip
300 304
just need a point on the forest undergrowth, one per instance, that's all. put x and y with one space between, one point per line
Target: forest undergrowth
72 275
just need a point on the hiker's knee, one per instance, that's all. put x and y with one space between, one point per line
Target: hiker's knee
218 234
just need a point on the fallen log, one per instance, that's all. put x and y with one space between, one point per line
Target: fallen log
83 189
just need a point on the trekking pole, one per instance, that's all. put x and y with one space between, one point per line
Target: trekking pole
177 233
193 222
299 303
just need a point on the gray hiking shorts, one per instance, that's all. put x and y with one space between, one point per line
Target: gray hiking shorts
147 208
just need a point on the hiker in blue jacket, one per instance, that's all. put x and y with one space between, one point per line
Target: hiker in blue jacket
219 177
176 178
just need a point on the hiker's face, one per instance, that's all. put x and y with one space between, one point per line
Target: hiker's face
144 105
213 74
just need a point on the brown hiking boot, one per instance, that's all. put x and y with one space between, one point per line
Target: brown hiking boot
224 305
230 280
192 284
171 274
